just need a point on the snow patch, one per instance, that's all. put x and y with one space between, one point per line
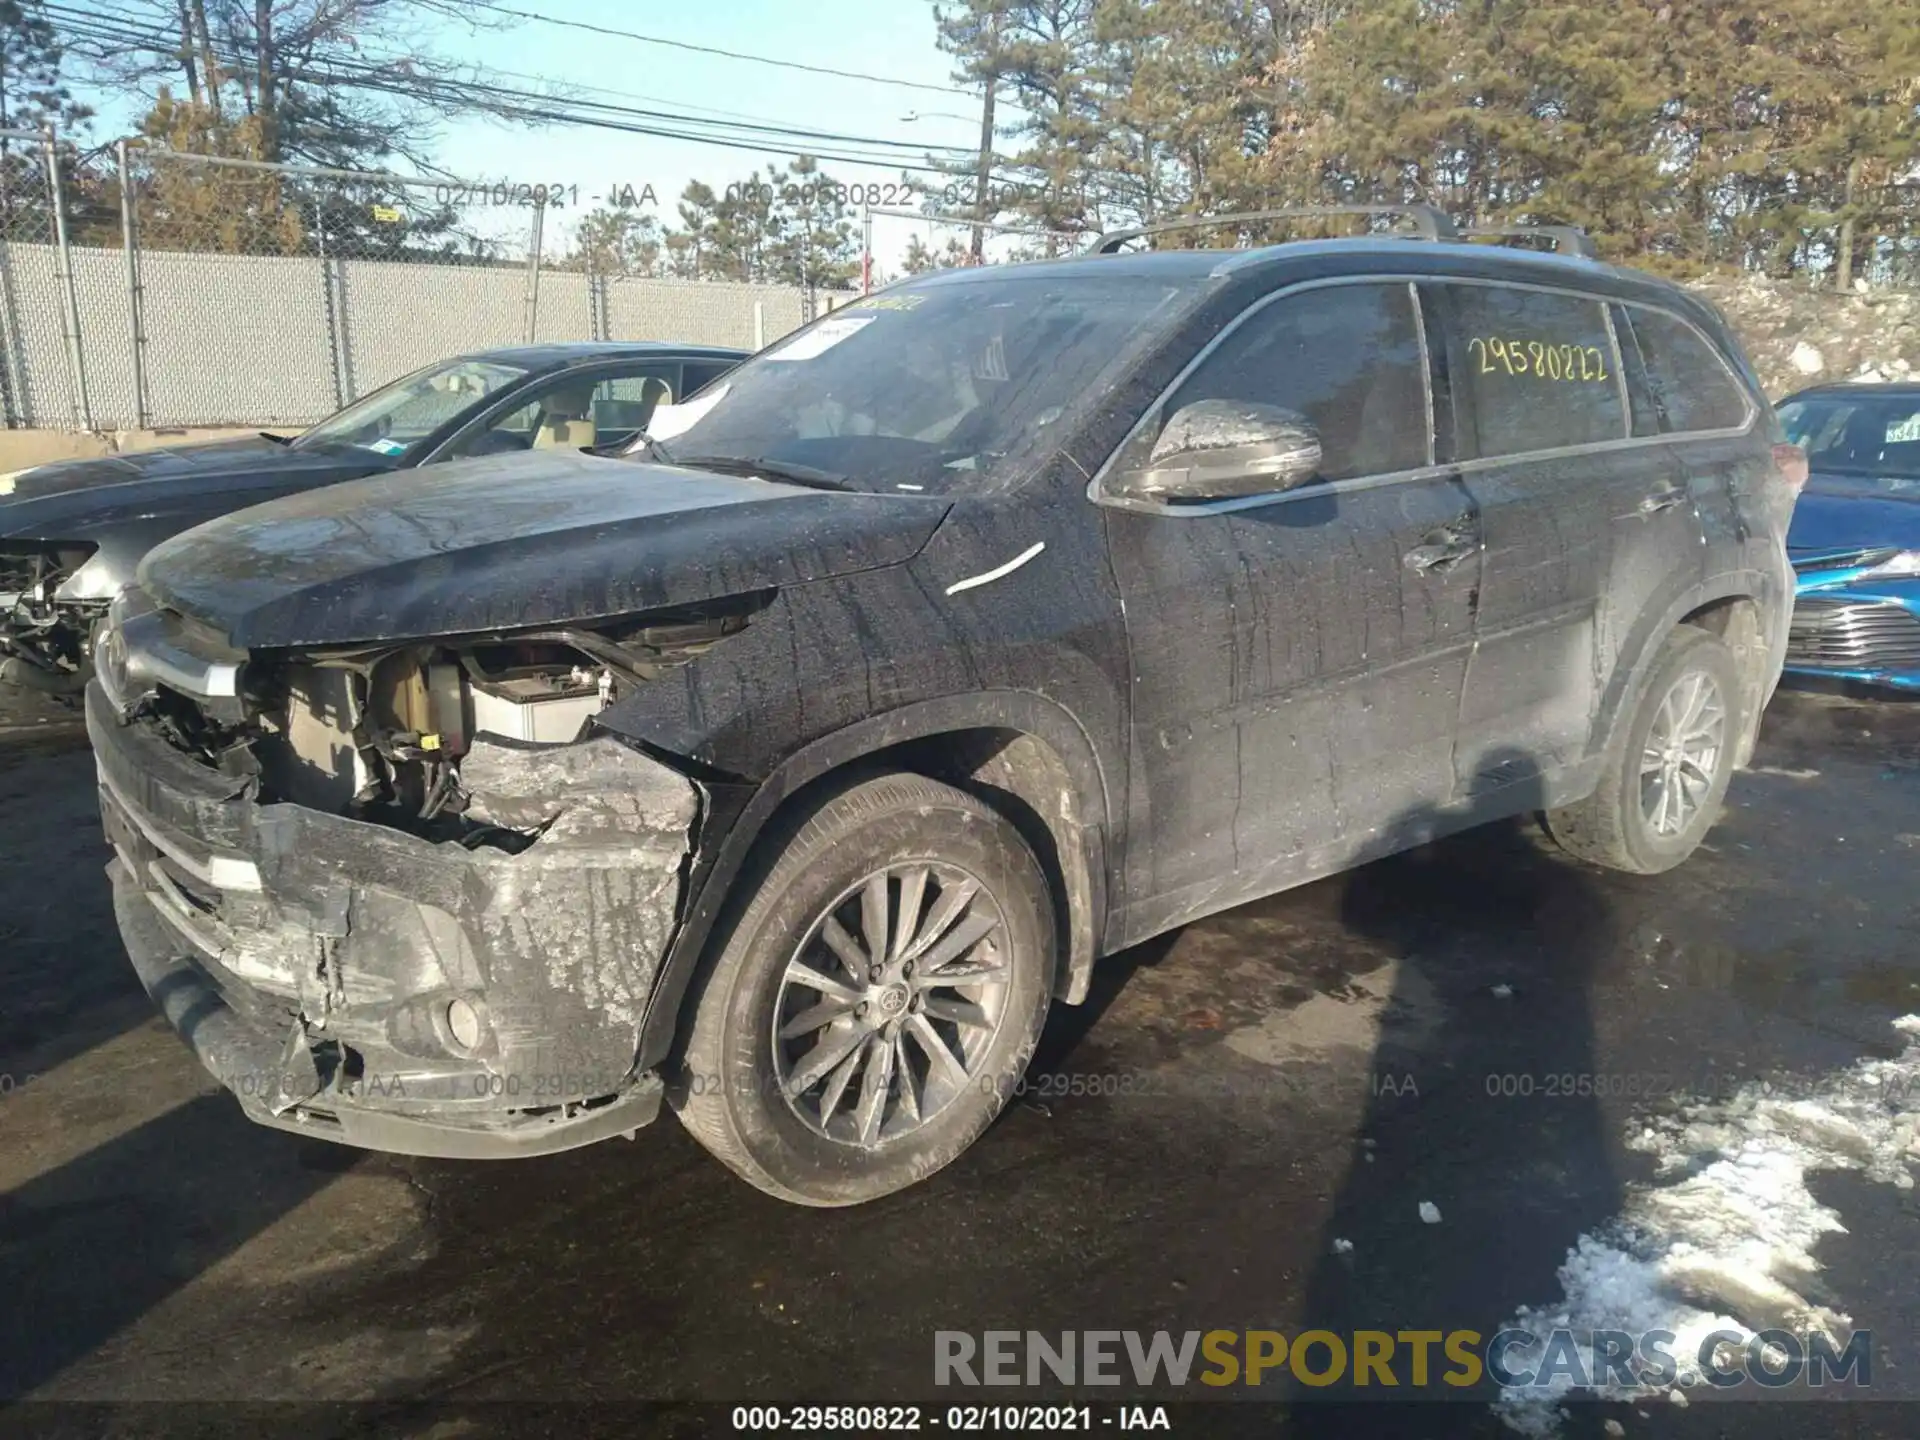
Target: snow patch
1724 1239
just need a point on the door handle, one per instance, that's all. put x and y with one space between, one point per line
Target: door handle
1440 557
1662 500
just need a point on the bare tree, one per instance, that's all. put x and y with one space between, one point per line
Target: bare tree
355 84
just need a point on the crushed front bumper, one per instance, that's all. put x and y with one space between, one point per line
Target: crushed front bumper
356 983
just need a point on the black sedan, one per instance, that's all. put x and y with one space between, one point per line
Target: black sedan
72 533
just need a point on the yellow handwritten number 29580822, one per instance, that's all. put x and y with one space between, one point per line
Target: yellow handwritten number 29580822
1542 359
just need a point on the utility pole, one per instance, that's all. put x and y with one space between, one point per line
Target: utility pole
983 169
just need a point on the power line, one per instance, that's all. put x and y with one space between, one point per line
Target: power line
643 39
530 108
390 58
716 50
118 28
163 42
121 29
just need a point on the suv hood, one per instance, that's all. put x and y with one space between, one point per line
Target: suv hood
74 499
512 541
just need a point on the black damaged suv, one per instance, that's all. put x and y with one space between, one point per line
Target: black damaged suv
790 766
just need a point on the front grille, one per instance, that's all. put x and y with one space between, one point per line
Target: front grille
1853 635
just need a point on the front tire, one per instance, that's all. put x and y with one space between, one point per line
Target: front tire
874 1005
1667 767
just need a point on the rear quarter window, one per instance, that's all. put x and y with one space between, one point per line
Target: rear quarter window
1538 370
1686 380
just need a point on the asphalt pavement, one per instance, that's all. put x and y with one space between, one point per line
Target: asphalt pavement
1238 1132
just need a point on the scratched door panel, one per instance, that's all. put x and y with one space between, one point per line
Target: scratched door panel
1369 681
1295 684
1548 611
1545 431
1311 699
1685 389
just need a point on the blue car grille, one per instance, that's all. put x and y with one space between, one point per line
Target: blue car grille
1853 635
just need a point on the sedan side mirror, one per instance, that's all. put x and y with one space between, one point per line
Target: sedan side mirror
1225 449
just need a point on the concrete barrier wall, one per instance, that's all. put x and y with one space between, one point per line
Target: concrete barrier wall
270 340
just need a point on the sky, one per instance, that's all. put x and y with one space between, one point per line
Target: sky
890 38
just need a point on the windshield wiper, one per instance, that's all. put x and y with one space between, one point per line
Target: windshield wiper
770 469
648 448
277 439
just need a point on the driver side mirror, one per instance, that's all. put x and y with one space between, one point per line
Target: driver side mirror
1222 450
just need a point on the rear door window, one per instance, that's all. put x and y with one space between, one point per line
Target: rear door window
1348 358
702 373
1538 369
623 404
1687 381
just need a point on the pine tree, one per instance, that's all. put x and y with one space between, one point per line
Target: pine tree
33 96
1682 133
33 90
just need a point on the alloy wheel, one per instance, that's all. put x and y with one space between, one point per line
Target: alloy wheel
890 1004
1681 756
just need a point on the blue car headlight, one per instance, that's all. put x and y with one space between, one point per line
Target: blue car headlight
1895 567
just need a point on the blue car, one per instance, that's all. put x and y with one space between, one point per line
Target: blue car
1855 538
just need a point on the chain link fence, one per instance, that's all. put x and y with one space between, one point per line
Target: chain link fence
40 365
142 287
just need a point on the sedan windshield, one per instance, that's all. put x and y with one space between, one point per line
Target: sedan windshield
1874 437
933 387
396 417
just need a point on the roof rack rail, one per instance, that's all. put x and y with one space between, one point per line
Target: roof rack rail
1431 224
1567 239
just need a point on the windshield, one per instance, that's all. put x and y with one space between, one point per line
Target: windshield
393 419
1876 437
937 387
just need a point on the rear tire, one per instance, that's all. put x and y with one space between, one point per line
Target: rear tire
1667 766
826 1086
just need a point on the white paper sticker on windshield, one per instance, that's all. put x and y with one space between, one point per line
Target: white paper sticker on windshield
669 420
822 337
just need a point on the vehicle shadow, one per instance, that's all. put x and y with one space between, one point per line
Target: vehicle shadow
1484 1104
91 1243
104 1239
65 977
1808 720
